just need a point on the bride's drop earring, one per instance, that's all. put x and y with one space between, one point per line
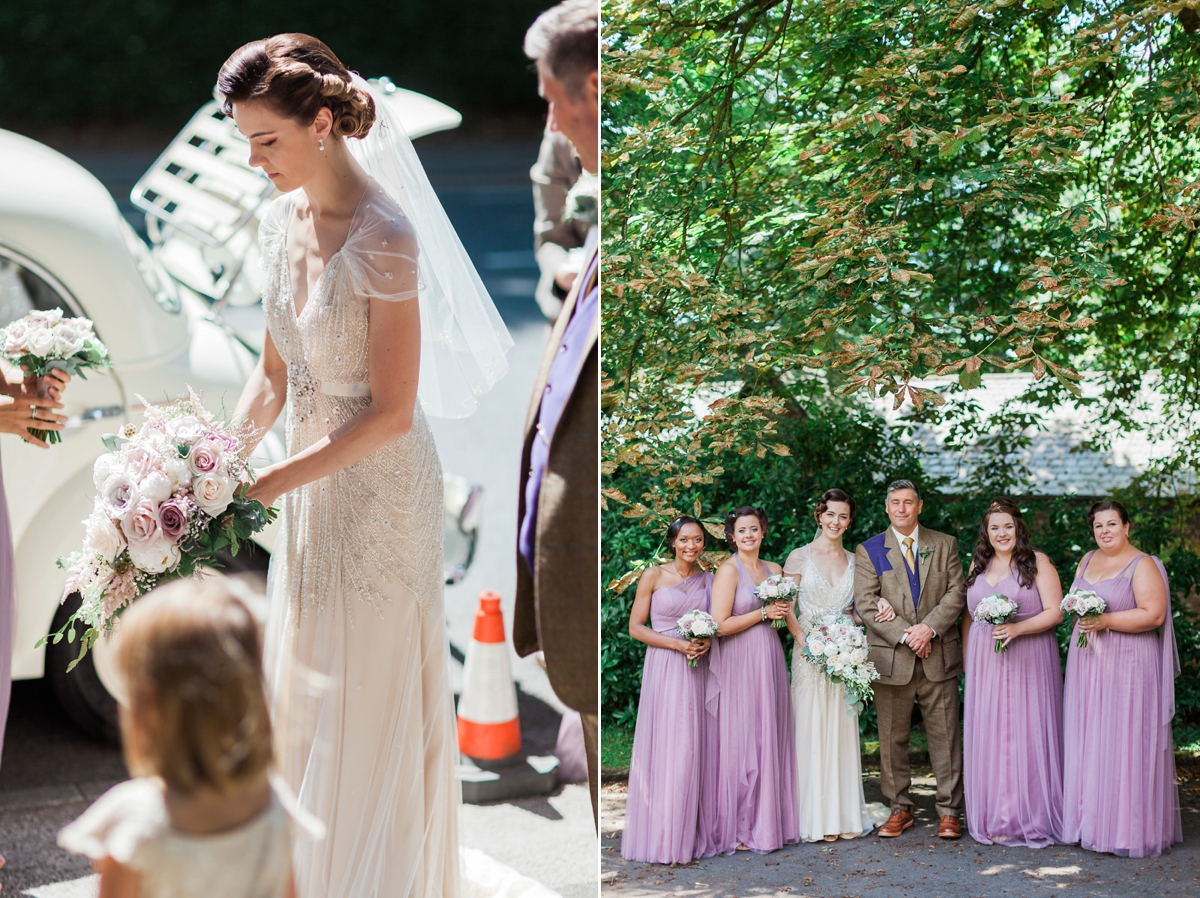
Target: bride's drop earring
321 144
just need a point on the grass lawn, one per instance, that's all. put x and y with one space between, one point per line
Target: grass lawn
616 745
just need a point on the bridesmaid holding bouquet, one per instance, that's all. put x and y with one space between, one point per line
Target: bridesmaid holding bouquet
662 808
1119 698
1012 721
755 784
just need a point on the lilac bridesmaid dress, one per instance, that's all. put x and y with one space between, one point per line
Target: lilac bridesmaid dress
1119 762
662 807
1012 728
749 794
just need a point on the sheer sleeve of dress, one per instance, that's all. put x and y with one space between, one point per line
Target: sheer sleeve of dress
118 824
381 252
794 565
272 227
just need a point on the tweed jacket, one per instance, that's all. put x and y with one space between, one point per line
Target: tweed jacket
558 606
880 572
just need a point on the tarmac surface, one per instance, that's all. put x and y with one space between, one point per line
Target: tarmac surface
917 863
51 771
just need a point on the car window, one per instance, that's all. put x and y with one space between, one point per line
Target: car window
22 290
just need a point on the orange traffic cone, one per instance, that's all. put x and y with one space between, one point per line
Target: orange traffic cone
488 725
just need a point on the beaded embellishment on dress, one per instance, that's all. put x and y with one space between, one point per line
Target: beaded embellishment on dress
379 519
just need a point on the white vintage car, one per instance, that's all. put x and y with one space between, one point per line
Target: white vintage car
182 312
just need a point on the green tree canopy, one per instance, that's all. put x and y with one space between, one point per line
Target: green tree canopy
878 191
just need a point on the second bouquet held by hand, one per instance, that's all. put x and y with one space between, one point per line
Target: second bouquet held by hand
170 499
996 609
696 624
777 589
1083 603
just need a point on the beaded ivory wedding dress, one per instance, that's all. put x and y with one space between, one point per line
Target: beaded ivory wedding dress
829 763
356 651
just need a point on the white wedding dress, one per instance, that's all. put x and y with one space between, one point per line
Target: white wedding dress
356 646
828 758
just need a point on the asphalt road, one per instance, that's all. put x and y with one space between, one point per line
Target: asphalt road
51 771
915 864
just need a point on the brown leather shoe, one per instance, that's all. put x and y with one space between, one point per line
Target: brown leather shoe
949 827
897 823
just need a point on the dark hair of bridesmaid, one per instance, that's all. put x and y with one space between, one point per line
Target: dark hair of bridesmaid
1107 505
835 495
1024 558
743 511
674 528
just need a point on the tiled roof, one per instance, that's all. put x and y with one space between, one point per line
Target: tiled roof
1055 457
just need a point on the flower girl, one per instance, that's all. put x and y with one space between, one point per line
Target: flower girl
202 816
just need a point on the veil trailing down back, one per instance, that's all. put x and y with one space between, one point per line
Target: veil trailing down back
463 340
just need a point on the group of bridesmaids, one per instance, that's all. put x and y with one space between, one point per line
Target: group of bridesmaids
728 755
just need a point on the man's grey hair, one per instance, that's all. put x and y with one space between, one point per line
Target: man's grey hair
897 485
565 39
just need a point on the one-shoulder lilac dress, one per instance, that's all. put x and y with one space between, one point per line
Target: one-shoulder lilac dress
1119 762
662 807
1012 728
753 798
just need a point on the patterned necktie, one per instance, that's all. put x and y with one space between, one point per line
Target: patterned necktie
908 554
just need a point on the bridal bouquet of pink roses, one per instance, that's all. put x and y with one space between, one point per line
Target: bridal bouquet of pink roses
44 340
996 609
1082 603
774 589
696 624
170 498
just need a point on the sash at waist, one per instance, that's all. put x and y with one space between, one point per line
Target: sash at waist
330 388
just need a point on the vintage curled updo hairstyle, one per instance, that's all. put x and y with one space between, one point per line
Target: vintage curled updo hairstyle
743 511
1024 558
297 75
834 495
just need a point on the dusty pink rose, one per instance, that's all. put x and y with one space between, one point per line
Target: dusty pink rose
205 457
173 519
140 461
141 524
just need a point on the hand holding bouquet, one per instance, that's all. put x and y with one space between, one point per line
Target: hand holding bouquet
996 609
1082 603
44 340
839 648
777 589
171 496
694 625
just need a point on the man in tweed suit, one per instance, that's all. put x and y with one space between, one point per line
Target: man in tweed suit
558 541
918 653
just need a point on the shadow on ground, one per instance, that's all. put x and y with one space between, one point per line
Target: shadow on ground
917 863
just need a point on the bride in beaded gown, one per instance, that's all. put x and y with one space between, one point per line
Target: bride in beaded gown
374 316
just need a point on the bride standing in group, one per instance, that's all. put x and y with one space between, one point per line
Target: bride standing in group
829 762
374 316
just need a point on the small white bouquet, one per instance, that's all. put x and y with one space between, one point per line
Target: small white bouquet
696 624
777 588
44 340
839 648
1081 603
170 498
996 609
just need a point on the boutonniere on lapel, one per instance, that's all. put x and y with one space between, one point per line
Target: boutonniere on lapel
924 552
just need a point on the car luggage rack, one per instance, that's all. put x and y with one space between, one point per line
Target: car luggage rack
202 183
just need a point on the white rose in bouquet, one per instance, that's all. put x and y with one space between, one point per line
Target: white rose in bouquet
118 494
179 471
103 537
15 338
185 429
213 492
40 341
69 339
102 469
157 487
156 556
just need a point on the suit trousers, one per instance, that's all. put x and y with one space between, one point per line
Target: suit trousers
939 710
591 746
